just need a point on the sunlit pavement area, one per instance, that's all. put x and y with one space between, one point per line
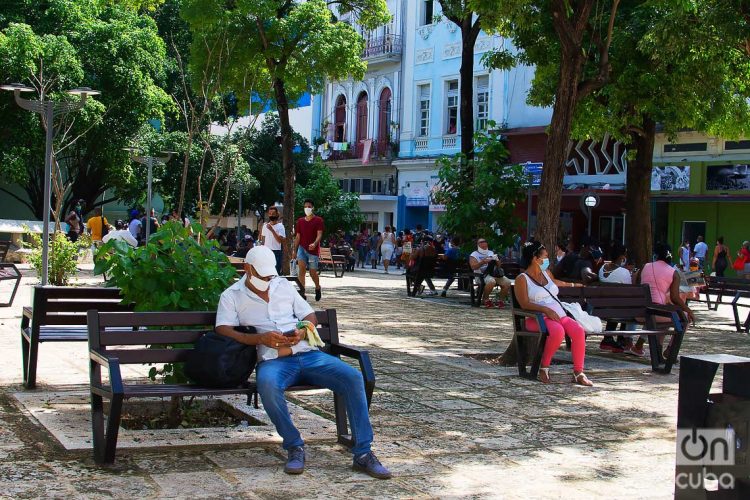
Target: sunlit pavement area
446 424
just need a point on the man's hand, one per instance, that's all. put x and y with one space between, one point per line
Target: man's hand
311 246
274 340
299 335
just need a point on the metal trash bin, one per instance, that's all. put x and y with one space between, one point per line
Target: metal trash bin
713 429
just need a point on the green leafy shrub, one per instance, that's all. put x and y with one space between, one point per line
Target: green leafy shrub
480 195
173 272
63 256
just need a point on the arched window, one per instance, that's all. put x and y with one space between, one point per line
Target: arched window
384 122
361 117
339 119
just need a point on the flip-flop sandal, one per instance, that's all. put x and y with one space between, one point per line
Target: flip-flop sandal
543 375
582 379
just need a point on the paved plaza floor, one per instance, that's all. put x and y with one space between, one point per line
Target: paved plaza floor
447 425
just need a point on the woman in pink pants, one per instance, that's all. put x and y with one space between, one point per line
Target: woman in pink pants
536 290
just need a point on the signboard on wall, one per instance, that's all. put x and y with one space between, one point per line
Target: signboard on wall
534 170
727 178
670 178
417 196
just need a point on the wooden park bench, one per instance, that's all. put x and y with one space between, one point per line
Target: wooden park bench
9 272
327 259
4 247
720 287
616 306
511 269
58 314
742 291
146 341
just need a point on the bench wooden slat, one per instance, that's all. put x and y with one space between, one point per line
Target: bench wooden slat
139 319
142 337
81 306
76 292
139 356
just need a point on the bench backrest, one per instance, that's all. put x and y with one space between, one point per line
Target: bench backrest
617 301
126 335
325 255
67 305
4 247
511 268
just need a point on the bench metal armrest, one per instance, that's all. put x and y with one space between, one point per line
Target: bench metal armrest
28 312
365 366
113 365
666 312
539 317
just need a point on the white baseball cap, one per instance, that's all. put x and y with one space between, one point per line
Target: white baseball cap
263 260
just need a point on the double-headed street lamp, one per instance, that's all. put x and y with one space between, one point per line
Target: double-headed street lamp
48 110
149 161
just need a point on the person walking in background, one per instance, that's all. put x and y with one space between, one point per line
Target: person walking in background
701 249
309 232
720 261
361 245
96 224
273 235
745 252
684 252
134 226
75 221
387 247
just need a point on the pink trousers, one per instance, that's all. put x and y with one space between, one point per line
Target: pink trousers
557 331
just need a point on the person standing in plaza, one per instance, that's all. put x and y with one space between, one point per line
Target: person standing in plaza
75 221
685 256
273 235
96 224
721 257
134 226
701 249
387 247
308 233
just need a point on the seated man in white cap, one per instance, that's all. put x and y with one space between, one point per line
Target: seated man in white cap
271 304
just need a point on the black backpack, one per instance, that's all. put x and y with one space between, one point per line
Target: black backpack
219 362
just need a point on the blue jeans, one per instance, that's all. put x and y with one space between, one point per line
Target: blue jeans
310 260
314 368
278 254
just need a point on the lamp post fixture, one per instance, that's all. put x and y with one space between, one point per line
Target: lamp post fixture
48 110
589 201
149 161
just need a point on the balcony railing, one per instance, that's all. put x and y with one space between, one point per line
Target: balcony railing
380 149
388 45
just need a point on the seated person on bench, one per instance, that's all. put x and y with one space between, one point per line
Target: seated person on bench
271 304
485 261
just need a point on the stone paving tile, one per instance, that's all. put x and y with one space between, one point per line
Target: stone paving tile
448 426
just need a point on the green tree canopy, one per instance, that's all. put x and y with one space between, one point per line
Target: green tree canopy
69 43
339 210
279 50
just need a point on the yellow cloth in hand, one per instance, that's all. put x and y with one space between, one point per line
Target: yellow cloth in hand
312 336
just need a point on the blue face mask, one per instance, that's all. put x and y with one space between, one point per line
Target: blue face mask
545 264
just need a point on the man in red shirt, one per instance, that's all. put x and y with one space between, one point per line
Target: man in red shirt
308 233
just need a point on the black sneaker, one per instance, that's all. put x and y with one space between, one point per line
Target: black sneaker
442 294
318 293
295 463
370 465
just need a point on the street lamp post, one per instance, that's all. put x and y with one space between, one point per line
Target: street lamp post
589 202
239 214
48 110
149 161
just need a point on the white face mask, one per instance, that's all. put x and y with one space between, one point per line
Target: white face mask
483 251
308 211
259 284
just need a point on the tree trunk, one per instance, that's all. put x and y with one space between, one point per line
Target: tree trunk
510 356
555 155
638 231
185 165
466 86
290 174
